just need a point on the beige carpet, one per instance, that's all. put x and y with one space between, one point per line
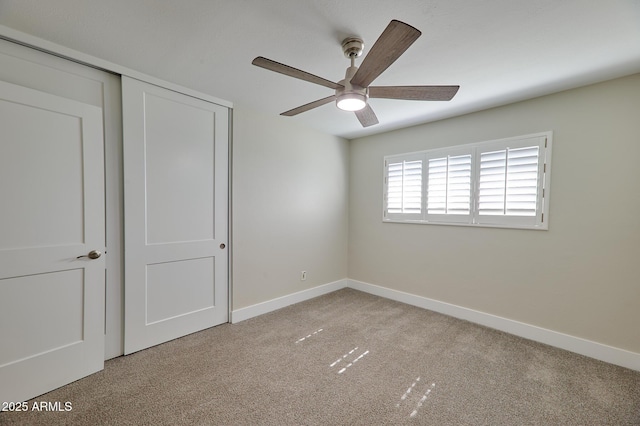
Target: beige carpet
348 358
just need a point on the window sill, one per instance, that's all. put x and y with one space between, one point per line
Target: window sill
540 227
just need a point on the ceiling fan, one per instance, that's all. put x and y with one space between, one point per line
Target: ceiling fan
353 92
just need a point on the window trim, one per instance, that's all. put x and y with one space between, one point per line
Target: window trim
538 222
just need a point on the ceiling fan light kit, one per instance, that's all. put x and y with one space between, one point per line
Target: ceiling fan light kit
350 97
351 102
353 92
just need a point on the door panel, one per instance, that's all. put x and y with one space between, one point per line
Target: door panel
179 162
52 192
166 300
53 213
176 214
63 326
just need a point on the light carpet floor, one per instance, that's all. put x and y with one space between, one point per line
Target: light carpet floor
348 358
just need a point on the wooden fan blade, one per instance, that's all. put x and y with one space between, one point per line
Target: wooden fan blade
414 93
366 116
391 44
293 72
310 105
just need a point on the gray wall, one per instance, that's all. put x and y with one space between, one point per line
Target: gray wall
289 207
581 277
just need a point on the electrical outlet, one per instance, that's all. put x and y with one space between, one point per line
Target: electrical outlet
303 275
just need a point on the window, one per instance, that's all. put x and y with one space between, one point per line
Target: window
502 183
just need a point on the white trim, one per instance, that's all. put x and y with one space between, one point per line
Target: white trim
64 52
574 344
284 301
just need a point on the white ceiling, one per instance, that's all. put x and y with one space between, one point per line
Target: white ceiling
498 51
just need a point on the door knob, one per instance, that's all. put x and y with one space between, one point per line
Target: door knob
93 254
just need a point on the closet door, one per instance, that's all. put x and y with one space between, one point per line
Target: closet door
176 214
52 268
54 75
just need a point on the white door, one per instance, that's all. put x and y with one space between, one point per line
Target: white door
51 212
47 73
176 214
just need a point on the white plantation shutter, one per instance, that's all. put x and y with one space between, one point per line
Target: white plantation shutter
404 188
501 183
437 187
509 182
491 199
522 181
511 178
449 185
459 185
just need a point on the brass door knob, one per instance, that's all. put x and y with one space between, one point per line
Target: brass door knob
93 254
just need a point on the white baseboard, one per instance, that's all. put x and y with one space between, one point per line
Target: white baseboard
567 342
284 301
574 344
